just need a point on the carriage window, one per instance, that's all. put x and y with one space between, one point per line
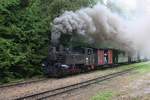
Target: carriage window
90 51
57 48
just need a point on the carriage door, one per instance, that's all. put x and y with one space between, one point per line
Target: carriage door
100 57
108 57
105 56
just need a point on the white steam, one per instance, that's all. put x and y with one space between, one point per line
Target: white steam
100 24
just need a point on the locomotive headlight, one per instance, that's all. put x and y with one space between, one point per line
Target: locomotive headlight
87 60
43 65
65 66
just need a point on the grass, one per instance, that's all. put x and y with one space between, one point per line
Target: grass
135 65
106 95
138 65
144 68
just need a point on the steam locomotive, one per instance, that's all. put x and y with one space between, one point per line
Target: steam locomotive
65 61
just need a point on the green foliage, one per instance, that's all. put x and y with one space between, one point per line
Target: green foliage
145 68
106 95
25 27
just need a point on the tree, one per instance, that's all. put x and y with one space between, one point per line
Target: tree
24 33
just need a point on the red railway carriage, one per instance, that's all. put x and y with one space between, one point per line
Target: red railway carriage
105 56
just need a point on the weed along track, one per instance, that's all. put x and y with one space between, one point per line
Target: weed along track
66 89
22 83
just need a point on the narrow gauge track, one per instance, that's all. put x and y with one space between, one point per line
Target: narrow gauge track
21 83
65 89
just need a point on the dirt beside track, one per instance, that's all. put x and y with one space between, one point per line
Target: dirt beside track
138 89
131 86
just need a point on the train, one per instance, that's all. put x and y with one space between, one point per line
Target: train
61 61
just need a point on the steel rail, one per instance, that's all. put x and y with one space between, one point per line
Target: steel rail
21 83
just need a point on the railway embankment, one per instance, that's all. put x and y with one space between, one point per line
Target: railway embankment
32 88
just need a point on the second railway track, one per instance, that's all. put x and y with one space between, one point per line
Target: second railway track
22 83
66 89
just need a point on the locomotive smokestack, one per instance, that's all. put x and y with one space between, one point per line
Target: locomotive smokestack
55 36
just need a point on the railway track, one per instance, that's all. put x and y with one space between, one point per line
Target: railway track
21 83
66 89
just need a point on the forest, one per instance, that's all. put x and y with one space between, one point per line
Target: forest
25 30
